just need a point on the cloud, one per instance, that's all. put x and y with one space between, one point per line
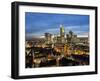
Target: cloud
47 22
83 34
79 31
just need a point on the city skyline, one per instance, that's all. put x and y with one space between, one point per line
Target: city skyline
39 23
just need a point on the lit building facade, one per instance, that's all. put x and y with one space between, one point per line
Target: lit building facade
48 38
62 34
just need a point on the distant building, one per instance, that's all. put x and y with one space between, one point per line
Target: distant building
62 34
62 31
59 40
28 44
48 38
71 37
83 40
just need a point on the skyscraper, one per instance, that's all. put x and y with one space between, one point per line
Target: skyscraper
62 31
48 38
62 34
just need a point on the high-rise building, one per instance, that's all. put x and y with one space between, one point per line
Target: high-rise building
62 34
62 31
48 38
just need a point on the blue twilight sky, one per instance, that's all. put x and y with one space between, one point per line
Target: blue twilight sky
36 24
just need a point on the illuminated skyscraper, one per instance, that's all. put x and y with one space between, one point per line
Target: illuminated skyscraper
62 34
62 31
48 38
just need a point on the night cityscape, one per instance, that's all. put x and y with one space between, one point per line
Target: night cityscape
61 48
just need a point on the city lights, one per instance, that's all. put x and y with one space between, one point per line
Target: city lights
65 49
